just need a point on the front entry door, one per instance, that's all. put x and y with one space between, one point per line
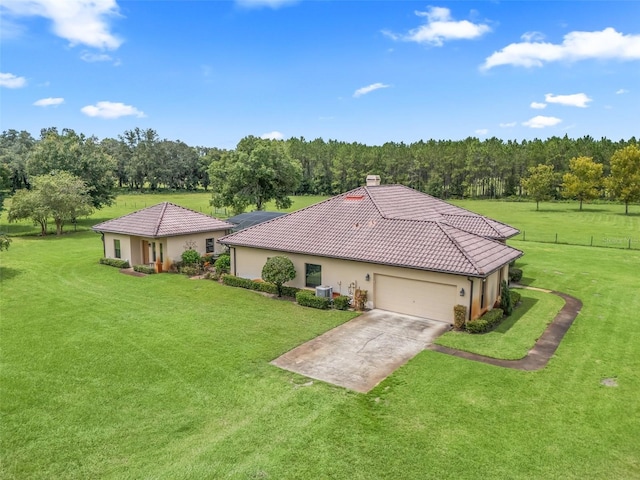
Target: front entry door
145 252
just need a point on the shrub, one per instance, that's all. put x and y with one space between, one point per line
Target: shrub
505 298
234 281
212 276
144 269
308 299
278 270
459 316
515 274
515 298
477 326
115 262
190 257
223 264
486 322
190 270
359 299
341 302
207 260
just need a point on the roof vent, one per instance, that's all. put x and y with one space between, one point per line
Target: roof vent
373 180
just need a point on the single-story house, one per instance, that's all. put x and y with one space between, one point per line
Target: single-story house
413 253
161 232
249 219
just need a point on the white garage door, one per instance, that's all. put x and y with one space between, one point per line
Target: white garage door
415 297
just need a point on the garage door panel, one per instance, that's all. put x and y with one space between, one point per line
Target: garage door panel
415 297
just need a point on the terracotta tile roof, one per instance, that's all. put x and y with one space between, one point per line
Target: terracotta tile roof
163 220
388 224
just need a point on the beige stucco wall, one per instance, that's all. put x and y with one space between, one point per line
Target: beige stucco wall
131 246
339 274
198 242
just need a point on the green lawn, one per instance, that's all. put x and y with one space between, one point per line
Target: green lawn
104 375
127 203
603 225
517 334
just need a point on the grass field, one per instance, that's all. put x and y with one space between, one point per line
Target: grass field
103 375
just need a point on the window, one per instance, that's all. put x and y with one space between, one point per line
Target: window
483 293
313 275
161 253
210 245
153 251
116 248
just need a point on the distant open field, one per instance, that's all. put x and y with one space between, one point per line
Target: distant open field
603 225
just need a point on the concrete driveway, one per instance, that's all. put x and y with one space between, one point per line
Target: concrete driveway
364 351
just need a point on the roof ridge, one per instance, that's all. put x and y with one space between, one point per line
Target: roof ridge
160 218
375 204
455 242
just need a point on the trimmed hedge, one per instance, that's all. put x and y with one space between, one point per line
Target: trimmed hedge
115 262
309 299
486 322
515 297
341 302
459 316
515 274
144 269
249 284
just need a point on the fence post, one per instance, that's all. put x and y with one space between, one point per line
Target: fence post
629 243
591 241
556 238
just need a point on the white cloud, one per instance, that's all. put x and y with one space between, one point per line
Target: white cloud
79 21
369 88
576 100
603 45
541 122
111 110
275 135
508 124
265 3
48 102
482 131
532 36
9 80
441 27
622 91
95 57
538 105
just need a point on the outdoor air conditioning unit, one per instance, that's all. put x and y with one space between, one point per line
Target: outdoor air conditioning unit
326 292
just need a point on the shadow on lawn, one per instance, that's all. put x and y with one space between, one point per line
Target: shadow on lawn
7 273
525 305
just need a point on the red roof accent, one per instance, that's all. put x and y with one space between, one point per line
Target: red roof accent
165 219
393 225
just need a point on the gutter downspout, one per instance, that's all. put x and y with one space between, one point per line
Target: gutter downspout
235 268
470 297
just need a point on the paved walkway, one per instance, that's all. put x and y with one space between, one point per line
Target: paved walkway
132 272
543 350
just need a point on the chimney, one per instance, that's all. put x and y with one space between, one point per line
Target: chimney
373 180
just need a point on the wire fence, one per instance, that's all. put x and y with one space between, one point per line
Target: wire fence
620 242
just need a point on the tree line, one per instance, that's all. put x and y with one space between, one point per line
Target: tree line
260 170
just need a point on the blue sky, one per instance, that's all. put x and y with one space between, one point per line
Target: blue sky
211 72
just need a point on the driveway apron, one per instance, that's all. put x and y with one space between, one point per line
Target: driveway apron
364 351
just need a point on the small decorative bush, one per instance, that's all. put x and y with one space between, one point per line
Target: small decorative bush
515 274
515 298
190 270
190 257
234 281
115 262
144 269
308 299
278 270
459 316
223 264
212 276
486 322
477 326
207 260
359 299
341 302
